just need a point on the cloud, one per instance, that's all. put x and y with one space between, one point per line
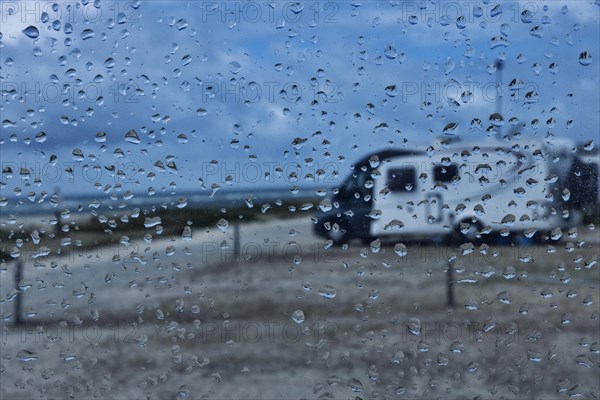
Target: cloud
326 70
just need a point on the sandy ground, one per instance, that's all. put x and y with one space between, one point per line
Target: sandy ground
184 319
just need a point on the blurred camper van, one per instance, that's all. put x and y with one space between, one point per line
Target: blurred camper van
530 189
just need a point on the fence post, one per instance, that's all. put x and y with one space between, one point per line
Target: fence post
58 227
18 298
236 241
454 240
450 283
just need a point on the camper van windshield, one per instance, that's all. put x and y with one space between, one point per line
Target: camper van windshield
354 186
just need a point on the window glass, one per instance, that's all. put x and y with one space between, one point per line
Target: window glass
401 179
443 173
244 199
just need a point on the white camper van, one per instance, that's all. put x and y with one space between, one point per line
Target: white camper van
491 187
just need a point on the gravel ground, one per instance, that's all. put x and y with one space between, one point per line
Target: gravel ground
142 320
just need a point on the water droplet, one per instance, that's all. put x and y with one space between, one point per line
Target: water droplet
505 297
170 250
77 154
497 119
234 67
298 143
414 326
181 24
150 222
497 10
31 32
328 292
589 145
584 361
109 62
35 236
181 202
249 201
325 205
375 245
534 355
391 90
400 249
298 316
376 22
223 224
41 137
390 51
374 214
450 128
441 360
449 65
132 137
306 206
187 233
585 58
27 355
527 16
537 31
355 385
100 137
87 34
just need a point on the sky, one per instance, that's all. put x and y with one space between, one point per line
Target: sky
282 94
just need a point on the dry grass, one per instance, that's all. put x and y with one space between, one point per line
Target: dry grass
359 335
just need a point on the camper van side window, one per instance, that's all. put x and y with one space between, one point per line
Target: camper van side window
445 173
402 179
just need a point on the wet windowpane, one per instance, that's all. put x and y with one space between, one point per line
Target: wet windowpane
401 180
442 173
299 200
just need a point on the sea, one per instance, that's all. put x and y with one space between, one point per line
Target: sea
169 199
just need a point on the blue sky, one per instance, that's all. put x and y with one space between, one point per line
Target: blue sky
352 53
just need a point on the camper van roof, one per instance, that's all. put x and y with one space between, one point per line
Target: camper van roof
385 154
